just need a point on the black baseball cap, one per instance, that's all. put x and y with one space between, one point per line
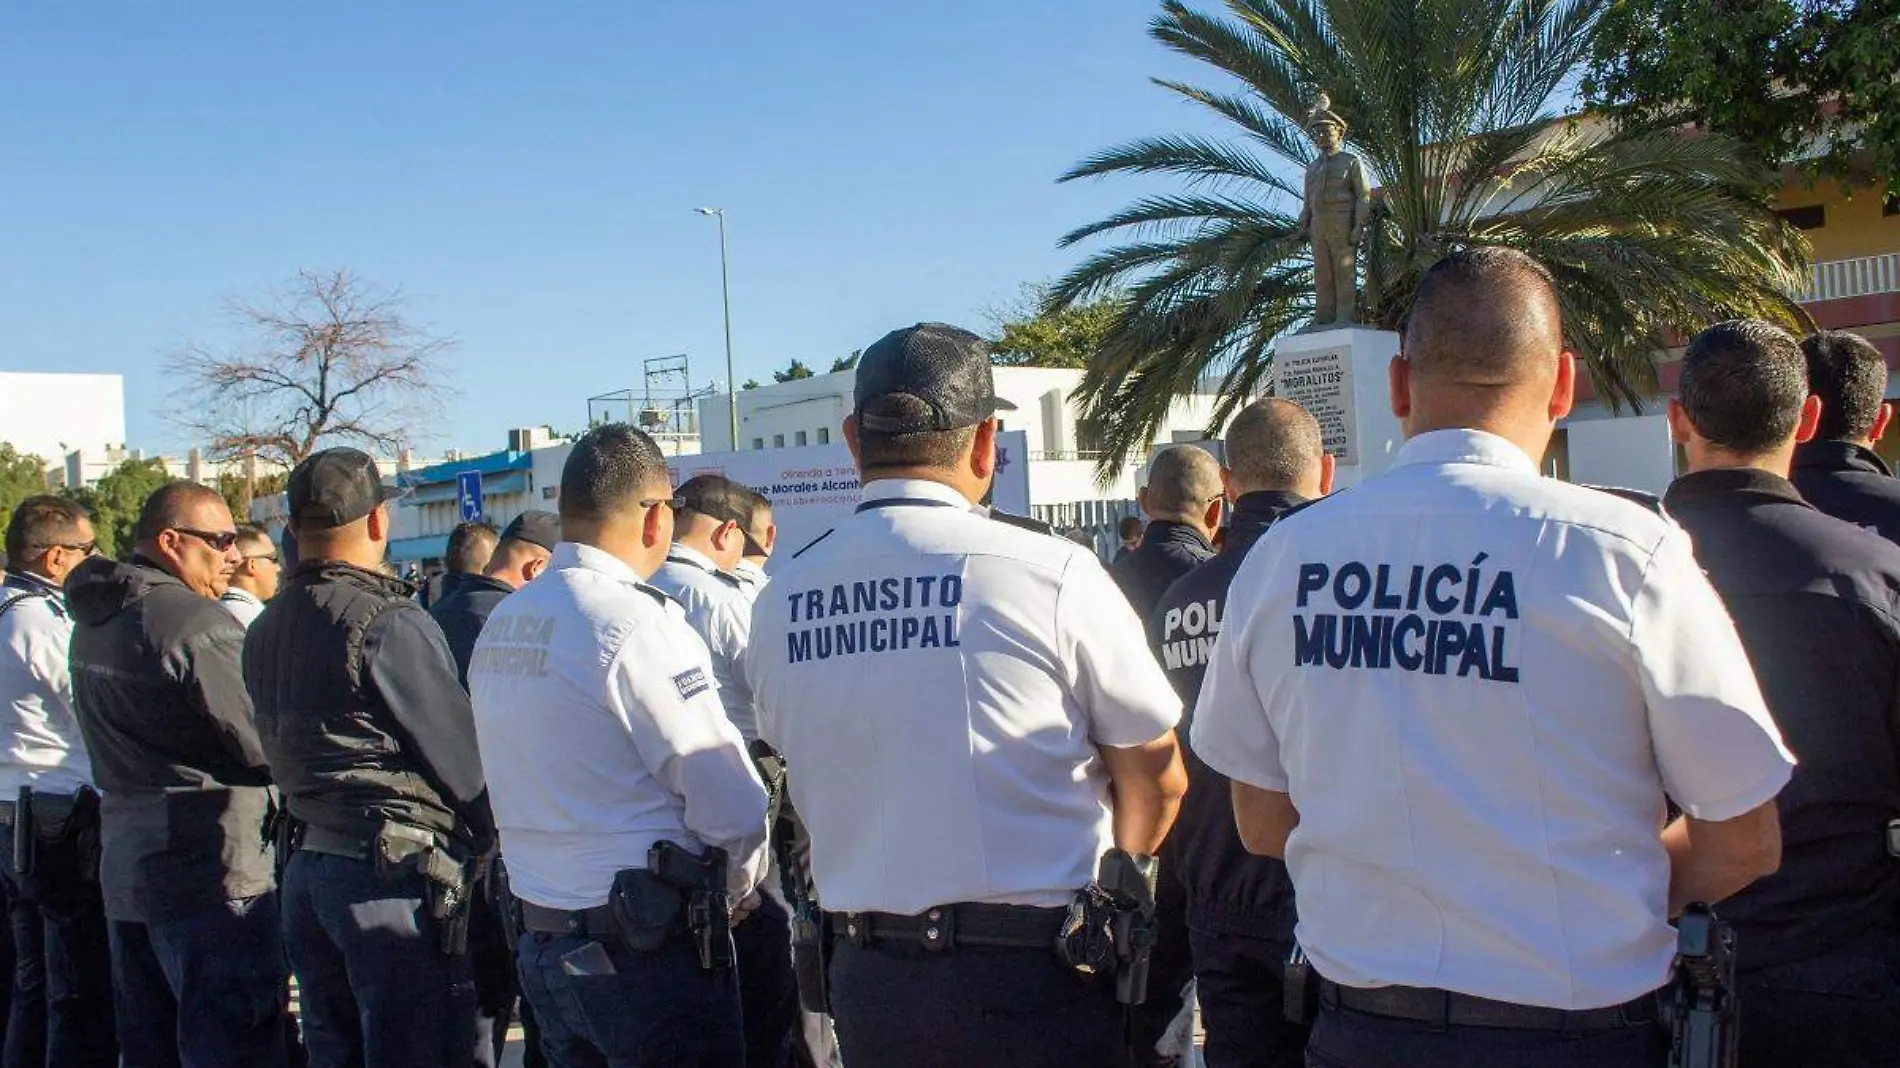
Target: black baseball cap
535 528
931 376
335 487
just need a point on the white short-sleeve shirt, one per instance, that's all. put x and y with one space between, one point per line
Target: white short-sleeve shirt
40 742
601 734
1477 685
938 684
720 612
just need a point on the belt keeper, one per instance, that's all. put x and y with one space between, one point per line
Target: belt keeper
939 929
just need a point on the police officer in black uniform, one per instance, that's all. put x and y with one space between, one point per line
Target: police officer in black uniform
1838 471
1239 906
1183 502
371 739
1817 603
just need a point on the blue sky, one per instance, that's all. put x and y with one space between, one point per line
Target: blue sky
527 173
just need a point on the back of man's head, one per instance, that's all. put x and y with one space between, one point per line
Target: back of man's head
1182 482
610 470
1850 376
761 532
172 506
1484 318
1129 529
1275 444
1744 382
40 524
470 546
717 498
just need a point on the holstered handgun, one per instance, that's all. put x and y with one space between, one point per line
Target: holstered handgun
1111 924
708 903
447 879
1893 839
25 834
1701 1006
811 955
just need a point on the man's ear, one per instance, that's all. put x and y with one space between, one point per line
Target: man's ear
1563 394
983 451
1681 430
1881 420
652 531
1328 467
533 567
379 523
1398 377
851 439
1810 420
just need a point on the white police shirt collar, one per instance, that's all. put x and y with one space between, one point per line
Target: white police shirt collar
681 553
574 554
1464 447
917 489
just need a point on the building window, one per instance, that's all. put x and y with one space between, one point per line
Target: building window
758 443
1000 427
1088 437
778 441
1809 217
801 439
824 435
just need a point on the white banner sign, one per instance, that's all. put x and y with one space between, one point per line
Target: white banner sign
815 487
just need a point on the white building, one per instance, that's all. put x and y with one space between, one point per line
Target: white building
51 415
1063 449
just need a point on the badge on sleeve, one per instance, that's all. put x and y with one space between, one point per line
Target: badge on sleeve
691 681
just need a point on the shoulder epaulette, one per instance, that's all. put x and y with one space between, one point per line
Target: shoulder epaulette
1648 501
1023 521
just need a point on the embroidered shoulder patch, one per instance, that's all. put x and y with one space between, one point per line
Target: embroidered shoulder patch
691 681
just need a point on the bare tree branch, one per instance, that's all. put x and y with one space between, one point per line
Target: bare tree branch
334 359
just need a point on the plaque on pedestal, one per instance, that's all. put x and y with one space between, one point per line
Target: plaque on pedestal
1341 377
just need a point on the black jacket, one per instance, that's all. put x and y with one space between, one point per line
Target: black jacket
462 613
360 710
1230 891
160 694
1817 602
1168 550
1850 483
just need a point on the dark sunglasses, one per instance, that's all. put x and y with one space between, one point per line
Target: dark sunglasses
675 502
87 547
219 540
272 557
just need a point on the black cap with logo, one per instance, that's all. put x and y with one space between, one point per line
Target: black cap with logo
535 528
931 376
336 487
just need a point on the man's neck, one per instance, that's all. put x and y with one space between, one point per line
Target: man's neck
248 591
926 474
1707 458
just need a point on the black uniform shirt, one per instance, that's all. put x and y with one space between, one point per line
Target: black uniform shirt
1168 550
463 611
1850 483
1817 603
1229 890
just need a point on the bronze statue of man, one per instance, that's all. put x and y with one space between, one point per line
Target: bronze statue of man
1338 202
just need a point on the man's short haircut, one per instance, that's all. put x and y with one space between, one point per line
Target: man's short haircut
611 469
1483 317
1850 376
1182 481
470 546
39 523
1743 384
929 448
1274 444
1129 528
252 536
168 505
717 497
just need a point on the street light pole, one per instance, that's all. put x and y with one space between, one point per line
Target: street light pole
725 293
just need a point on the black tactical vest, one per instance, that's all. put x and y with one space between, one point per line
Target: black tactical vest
324 727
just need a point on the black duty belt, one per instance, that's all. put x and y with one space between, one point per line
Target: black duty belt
1443 1008
356 846
53 807
950 926
596 923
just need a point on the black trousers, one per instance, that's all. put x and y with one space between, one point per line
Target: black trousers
1240 983
204 991
60 1003
1840 1010
768 989
899 1005
1346 1039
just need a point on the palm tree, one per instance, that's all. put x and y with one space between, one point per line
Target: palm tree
1650 231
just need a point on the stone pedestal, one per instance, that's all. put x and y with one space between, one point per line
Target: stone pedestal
1340 376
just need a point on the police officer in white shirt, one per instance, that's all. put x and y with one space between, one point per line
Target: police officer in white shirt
760 539
970 720
61 1006
260 570
711 535
1455 697
594 703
